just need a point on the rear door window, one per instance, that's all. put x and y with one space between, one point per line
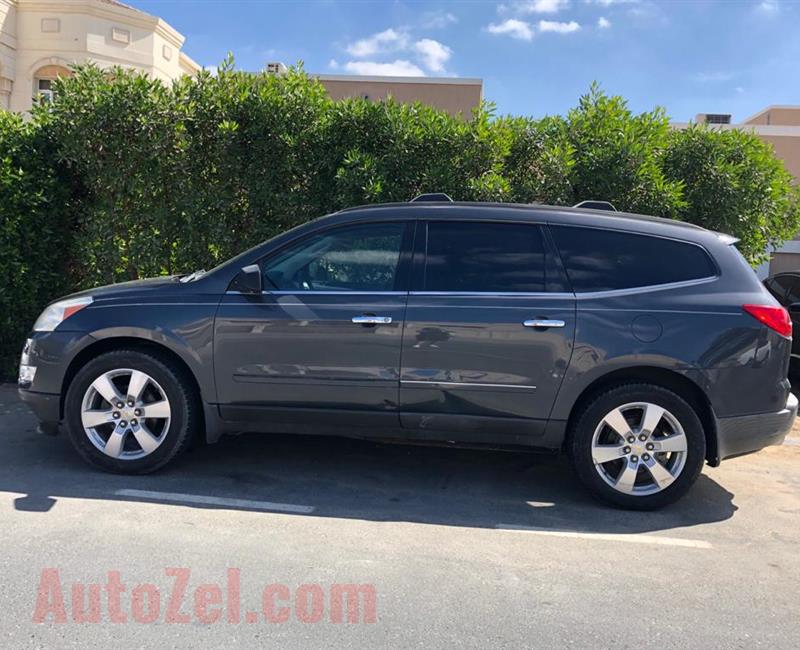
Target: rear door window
793 295
779 287
484 257
603 260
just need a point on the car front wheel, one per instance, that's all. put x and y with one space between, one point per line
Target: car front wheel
638 446
129 411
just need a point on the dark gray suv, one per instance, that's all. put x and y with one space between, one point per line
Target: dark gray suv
641 347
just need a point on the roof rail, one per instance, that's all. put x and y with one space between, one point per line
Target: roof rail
432 197
595 205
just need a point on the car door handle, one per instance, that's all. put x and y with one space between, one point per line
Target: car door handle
543 323
372 320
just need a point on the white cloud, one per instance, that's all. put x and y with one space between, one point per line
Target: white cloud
367 54
608 3
559 28
603 23
398 68
514 28
739 89
438 19
388 40
769 6
433 54
712 77
333 64
534 6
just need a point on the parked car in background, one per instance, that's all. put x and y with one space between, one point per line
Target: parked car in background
641 347
785 287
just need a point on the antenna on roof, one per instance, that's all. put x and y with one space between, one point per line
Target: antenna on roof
595 205
432 197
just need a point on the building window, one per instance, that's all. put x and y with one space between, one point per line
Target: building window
44 79
44 90
120 35
5 92
51 25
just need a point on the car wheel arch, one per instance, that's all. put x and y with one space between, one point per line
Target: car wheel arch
103 345
669 379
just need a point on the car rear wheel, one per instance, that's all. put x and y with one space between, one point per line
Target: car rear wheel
638 446
130 412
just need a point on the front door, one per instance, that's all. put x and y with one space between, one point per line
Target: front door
489 331
322 343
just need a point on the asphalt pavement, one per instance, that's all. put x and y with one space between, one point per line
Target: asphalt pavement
441 547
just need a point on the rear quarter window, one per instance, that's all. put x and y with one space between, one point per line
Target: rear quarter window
605 260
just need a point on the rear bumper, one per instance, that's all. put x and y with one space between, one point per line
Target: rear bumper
748 433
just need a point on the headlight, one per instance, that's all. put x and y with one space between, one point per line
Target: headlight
55 314
26 371
26 375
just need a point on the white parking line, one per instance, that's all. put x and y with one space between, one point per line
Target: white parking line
180 497
632 538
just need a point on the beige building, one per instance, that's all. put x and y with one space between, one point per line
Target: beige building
780 126
452 94
40 39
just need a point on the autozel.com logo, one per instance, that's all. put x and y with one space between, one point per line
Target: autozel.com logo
208 603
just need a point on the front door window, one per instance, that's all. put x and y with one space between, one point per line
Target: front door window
360 258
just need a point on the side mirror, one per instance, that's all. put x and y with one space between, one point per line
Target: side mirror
248 281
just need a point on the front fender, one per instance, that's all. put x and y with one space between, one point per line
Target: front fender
199 360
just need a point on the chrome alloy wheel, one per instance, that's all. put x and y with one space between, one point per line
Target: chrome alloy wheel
125 414
639 448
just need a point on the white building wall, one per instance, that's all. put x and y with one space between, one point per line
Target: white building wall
44 34
8 51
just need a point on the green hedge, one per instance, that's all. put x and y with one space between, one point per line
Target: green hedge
123 177
36 230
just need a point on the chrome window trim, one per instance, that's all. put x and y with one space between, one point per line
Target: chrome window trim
581 294
423 382
468 294
115 305
645 288
336 293
496 294
325 293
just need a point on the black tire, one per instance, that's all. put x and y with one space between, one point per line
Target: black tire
184 405
579 444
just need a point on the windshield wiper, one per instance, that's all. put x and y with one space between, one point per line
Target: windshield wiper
193 276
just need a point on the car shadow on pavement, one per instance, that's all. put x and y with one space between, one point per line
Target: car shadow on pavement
349 478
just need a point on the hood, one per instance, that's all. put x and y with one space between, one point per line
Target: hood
132 287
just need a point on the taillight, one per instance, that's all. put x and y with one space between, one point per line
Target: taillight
776 318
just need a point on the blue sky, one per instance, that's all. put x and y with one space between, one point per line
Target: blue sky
536 57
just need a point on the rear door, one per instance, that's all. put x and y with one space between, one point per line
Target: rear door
489 330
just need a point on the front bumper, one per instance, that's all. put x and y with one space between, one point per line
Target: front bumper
49 354
45 406
745 434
